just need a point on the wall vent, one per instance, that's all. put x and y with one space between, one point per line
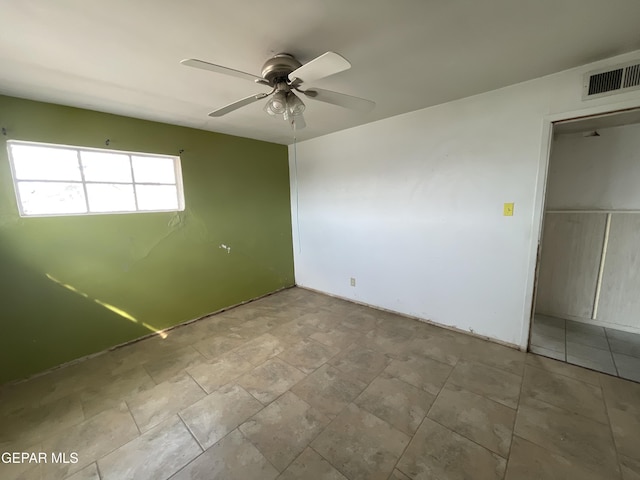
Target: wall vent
632 76
609 81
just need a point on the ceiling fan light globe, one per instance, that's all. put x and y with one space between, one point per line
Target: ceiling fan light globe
274 108
278 108
295 105
297 109
277 104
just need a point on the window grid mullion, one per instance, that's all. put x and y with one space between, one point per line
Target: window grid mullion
84 185
92 182
133 182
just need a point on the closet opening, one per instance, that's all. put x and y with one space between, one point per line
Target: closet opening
586 308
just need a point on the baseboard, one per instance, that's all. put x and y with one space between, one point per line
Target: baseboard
419 319
139 339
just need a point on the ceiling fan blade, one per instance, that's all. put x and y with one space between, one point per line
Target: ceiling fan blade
340 99
192 62
236 105
326 64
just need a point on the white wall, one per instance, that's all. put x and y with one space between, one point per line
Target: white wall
596 172
412 205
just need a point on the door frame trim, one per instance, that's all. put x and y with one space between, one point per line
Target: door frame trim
548 122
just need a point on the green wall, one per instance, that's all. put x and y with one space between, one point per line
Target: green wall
67 284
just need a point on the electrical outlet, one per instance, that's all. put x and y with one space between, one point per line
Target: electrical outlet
353 282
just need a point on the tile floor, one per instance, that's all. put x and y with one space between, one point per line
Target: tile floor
299 385
603 349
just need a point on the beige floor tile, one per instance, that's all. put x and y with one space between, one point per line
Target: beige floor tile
64 382
195 331
437 452
90 472
22 471
114 389
215 345
360 362
494 355
398 475
621 394
22 395
425 373
529 461
630 468
623 407
370 373
329 390
392 342
626 431
217 414
476 417
321 320
311 466
565 392
425 329
105 363
261 349
90 440
493 383
394 321
360 445
308 355
152 406
255 327
362 320
400 404
221 322
282 430
336 337
215 373
156 454
34 424
293 332
579 439
232 458
441 347
167 367
146 350
270 380
562 368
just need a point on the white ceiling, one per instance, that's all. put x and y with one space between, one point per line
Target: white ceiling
122 56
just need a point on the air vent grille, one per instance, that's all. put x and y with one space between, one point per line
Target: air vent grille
605 82
618 79
632 76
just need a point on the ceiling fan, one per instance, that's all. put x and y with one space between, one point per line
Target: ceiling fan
285 74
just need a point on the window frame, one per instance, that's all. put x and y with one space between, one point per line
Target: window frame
177 167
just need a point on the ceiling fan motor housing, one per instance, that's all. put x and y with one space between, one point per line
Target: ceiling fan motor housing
278 67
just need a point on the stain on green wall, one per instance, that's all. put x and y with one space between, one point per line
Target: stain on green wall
72 286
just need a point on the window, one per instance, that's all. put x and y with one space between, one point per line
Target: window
62 180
